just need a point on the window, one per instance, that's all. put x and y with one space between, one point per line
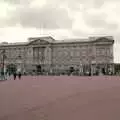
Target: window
100 51
72 53
77 53
108 52
30 51
84 52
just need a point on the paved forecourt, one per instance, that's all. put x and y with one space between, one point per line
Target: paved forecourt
60 98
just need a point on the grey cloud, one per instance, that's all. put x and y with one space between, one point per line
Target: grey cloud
99 21
75 4
48 17
17 2
51 16
113 26
79 33
96 20
98 3
3 22
72 4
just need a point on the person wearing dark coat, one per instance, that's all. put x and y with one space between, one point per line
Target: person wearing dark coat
14 75
19 75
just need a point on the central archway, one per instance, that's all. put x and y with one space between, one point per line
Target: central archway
39 68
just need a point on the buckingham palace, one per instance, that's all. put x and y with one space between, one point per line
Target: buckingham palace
45 54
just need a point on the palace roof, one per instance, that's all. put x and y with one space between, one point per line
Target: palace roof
52 40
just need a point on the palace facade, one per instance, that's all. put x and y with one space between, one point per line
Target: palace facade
50 55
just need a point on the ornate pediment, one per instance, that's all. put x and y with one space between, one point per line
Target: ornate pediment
38 42
104 40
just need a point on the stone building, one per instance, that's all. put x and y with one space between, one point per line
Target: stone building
50 55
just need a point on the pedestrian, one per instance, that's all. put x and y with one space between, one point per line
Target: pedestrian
14 75
5 75
19 75
9 74
2 75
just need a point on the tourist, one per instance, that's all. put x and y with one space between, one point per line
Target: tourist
14 75
2 75
19 75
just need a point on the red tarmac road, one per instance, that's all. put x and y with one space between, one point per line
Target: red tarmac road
60 98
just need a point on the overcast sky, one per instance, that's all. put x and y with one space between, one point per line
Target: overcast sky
20 19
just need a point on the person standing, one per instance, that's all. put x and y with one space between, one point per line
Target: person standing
2 75
19 75
14 75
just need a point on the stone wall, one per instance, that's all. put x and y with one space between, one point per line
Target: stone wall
73 55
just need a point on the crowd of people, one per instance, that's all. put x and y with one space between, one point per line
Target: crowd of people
18 74
6 76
